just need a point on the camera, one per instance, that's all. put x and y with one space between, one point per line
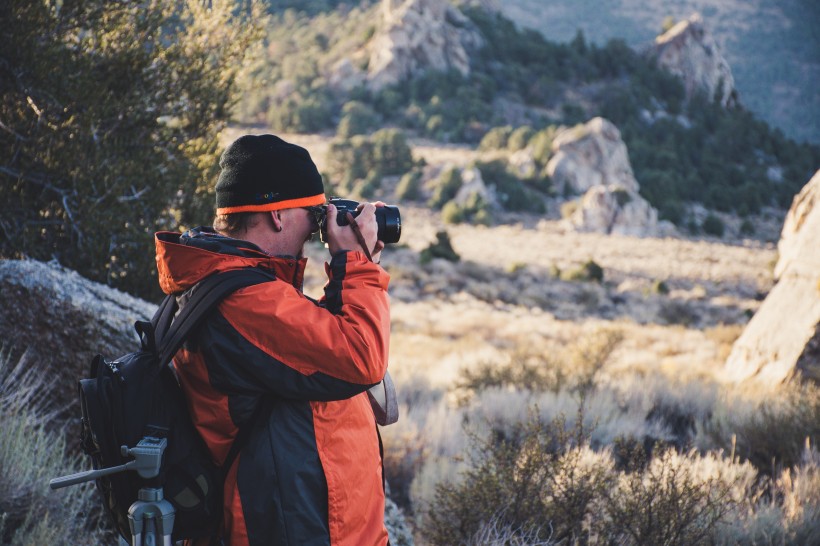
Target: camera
388 219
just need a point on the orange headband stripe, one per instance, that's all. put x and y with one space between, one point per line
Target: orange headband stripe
279 205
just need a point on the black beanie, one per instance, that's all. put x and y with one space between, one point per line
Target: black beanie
263 172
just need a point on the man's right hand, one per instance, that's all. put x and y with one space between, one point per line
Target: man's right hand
342 238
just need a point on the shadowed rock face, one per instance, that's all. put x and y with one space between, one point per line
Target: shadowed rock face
783 338
689 51
593 160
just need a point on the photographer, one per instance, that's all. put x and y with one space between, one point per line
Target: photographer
291 371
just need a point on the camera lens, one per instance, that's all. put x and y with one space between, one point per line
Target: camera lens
389 221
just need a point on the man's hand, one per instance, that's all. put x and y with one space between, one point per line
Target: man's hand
342 238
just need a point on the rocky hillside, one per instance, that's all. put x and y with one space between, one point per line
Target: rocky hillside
772 47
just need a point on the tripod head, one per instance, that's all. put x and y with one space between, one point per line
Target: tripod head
147 461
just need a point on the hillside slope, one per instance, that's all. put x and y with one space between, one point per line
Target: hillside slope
772 46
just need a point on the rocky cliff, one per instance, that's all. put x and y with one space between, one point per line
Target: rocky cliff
689 51
416 35
592 159
783 338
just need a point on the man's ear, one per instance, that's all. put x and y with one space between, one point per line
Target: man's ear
276 218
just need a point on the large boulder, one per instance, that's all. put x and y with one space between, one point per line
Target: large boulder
614 210
417 35
783 338
61 320
689 51
592 159
592 154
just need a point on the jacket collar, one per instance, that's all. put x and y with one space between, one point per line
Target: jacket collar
185 259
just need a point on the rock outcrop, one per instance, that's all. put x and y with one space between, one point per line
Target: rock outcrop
783 338
614 210
416 35
689 51
592 159
62 320
473 189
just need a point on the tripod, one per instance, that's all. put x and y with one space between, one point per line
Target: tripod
150 517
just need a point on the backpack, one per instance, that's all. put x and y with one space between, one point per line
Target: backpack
137 395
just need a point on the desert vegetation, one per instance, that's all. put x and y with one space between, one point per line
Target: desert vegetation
556 387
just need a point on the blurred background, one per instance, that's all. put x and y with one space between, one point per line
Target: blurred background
605 301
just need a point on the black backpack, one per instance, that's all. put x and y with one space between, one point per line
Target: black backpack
137 395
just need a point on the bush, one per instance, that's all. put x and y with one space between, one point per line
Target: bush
445 187
771 433
358 118
535 478
31 454
512 193
589 271
442 248
520 137
474 211
409 186
496 138
712 225
360 158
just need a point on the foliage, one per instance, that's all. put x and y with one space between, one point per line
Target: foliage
409 186
30 455
496 138
445 187
474 210
110 115
441 248
712 225
589 271
771 433
358 118
512 193
357 165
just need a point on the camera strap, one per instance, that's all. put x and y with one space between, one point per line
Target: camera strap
355 227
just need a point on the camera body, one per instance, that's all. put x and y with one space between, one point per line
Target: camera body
388 219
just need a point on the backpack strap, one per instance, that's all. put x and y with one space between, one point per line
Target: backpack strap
202 298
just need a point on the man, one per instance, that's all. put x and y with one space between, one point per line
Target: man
293 370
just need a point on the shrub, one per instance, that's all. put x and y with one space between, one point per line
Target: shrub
358 118
670 501
541 143
496 138
30 454
359 158
770 433
712 225
536 478
442 248
445 187
520 137
513 194
589 271
409 186
474 210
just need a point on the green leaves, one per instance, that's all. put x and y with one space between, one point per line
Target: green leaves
110 113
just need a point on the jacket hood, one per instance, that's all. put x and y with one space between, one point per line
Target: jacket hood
184 259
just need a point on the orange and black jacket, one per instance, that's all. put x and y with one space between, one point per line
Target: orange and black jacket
310 472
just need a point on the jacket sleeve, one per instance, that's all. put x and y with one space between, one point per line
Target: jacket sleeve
270 338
